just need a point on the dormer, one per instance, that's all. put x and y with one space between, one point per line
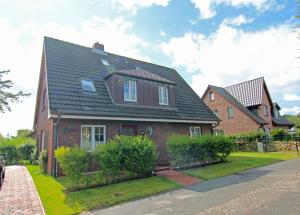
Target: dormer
141 88
276 109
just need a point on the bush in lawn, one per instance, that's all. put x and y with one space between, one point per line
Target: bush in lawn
224 146
25 151
43 160
139 154
73 161
110 157
10 151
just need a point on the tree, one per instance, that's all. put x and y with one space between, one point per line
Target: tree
23 132
7 97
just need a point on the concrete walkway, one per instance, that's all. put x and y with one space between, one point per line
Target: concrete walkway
273 189
18 194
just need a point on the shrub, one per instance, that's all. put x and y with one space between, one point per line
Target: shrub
25 151
183 149
73 161
139 154
280 134
110 157
43 160
134 154
10 151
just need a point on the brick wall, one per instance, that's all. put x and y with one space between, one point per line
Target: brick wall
70 130
238 124
260 110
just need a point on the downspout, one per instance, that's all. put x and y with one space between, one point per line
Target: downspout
212 129
55 134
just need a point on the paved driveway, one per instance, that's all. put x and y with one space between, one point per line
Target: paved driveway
273 189
18 194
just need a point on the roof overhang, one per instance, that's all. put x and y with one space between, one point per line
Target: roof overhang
68 116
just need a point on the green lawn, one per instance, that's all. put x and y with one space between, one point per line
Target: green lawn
55 201
238 162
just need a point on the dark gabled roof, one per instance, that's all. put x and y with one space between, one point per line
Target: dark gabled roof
276 106
223 92
68 63
141 73
249 93
282 121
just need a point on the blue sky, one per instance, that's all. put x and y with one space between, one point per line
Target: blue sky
219 42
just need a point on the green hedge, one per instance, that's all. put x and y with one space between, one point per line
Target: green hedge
184 150
120 155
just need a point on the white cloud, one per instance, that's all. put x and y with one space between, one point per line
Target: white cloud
21 50
231 55
291 97
237 21
134 5
293 110
162 33
207 7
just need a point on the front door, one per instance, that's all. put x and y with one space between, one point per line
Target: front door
129 130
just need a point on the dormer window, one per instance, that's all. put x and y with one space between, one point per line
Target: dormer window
105 62
88 86
163 95
130 91
211 96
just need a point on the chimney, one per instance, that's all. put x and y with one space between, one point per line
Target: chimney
98 46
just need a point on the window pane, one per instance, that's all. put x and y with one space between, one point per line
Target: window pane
86 138
88 86
163 95
99 135
130 90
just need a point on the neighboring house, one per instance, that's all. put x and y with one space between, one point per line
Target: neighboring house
87 96
244 107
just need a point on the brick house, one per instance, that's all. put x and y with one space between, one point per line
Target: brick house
86 96
244 107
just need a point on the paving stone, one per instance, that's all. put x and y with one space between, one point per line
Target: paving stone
18 194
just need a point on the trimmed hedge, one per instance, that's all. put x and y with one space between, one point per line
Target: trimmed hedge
121 156
184 150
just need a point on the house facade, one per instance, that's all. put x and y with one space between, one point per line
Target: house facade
87 96
244 107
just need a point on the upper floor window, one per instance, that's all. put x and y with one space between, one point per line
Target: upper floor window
276 113
163 95
230 112
105 62
211 96
91 135
130 93
266 111
88 86
195 131
44 100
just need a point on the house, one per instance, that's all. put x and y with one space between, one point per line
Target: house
86 96
244 107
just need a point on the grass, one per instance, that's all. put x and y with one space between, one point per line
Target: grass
55 201
239 162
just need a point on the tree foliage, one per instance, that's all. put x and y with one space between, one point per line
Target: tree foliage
6 97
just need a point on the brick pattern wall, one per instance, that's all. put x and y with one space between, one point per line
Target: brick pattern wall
238 124
42 122
70 131
260 110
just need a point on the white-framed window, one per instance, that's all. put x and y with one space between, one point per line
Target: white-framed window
130 93
88 86
230 112
195 131
211 96
163 95
91 135
266 111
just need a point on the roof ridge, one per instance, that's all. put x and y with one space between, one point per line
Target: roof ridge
244 82
70 43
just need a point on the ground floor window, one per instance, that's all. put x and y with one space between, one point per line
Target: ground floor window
218 132
91 135
195 131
